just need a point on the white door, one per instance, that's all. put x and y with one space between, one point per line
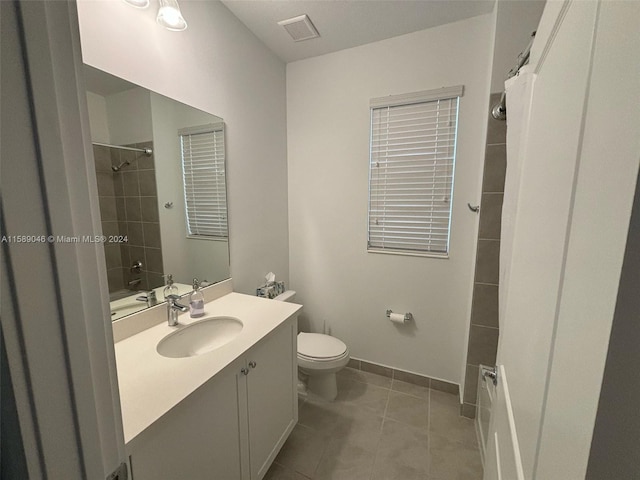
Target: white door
55 318
577 177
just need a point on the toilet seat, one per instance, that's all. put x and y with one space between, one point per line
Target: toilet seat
320 348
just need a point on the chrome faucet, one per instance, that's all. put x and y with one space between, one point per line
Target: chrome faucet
173 307
149 297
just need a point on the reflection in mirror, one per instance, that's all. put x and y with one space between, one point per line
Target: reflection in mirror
152 153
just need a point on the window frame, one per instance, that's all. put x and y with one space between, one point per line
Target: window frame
422 97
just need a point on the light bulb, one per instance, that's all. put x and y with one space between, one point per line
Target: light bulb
170 17
138 3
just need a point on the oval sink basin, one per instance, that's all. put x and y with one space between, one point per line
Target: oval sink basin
199 337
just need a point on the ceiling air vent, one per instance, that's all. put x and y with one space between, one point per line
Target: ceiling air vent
300 28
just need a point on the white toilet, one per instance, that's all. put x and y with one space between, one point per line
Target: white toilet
319 358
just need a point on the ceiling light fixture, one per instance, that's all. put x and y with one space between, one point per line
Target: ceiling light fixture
138 3
170 17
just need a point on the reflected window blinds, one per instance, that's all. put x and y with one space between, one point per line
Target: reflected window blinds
203 173
411 172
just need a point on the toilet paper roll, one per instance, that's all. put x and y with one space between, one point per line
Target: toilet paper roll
397 317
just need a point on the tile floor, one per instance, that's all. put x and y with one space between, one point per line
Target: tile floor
379 429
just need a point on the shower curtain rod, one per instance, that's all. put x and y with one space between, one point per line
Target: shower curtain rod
146 151
499 110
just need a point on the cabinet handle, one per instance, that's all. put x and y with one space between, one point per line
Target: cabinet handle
244 371
252 364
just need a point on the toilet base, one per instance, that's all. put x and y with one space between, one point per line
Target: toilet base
323 385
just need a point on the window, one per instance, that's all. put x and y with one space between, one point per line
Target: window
203 173
413 150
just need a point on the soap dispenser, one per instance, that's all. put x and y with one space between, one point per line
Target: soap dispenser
170 289
196 300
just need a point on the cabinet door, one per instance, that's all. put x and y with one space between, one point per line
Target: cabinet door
198 439
272 403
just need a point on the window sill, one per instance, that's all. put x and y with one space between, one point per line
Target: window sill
408 253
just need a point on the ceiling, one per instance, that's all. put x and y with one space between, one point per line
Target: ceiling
347 23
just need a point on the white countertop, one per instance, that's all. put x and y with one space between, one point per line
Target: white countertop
150 384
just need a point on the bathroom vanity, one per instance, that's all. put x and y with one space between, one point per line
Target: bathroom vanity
221 414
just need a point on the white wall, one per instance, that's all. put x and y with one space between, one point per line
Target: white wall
98 122
218 66
129 116
328 144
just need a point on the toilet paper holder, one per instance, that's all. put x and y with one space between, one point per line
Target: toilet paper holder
407 316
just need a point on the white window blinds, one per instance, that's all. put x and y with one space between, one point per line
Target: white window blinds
413 147
203 173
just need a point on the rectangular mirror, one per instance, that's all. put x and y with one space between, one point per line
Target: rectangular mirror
160 167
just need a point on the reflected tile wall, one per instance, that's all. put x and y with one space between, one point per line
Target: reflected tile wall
483 333
129 208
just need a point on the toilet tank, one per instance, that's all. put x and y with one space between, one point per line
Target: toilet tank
287 296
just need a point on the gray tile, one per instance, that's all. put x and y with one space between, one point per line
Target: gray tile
109 228
112 256
114 279
497 129
130 181
377 369
124 254
122 227
107 209
442 386
484 310
410 389
342 420
483 345
408 409
353 363
471 384
451 461
114 154
121 211
151 234
343 384
149 207
134 234
345 461
365 377
487 261
147 179
402 453
445 419
468 410
153 258
132 208
129 156
279 472
411 378
135 253
105 184
118 185
155 279
490 216
368 396
495 167
102 157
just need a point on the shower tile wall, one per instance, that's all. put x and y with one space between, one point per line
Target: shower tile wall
483 332
129 207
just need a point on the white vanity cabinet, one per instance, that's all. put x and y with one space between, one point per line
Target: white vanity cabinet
232 427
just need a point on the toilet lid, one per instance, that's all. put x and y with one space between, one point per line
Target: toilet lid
317 345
